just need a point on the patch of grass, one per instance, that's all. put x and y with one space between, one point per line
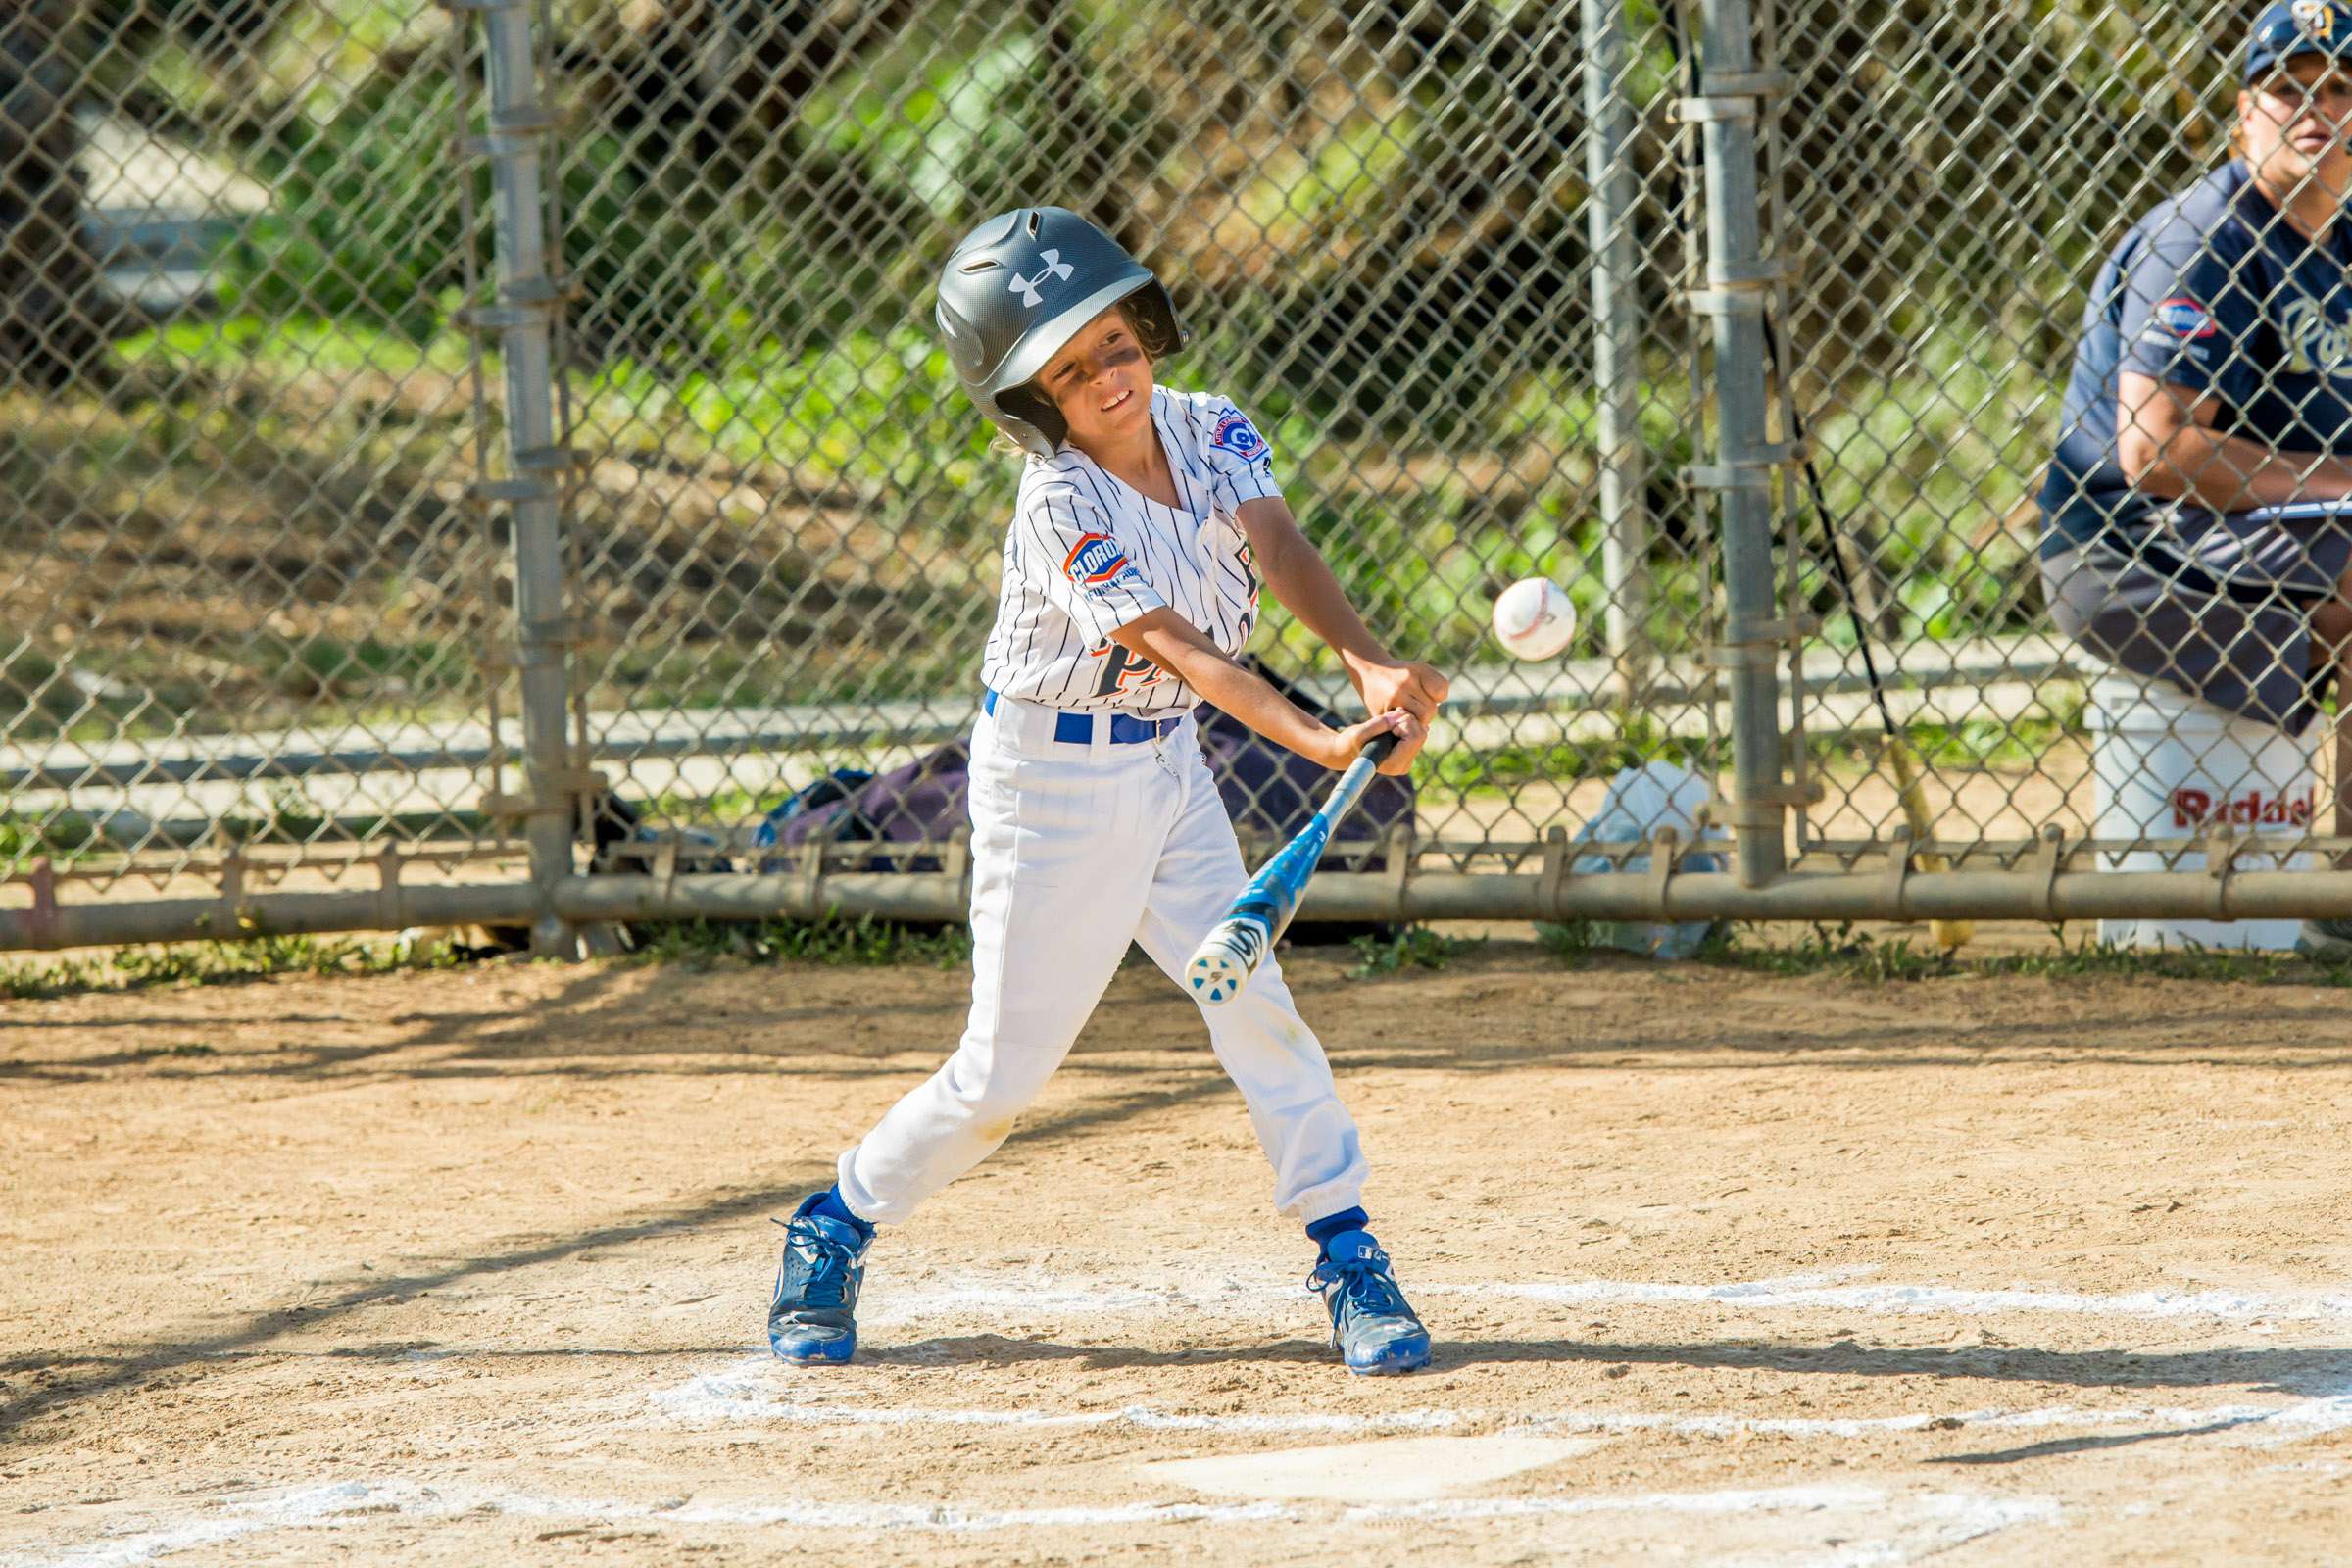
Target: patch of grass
862 942
881 410
1934 460
333 666
2015 745
1416 947
1848 952
231 346
64 836
1431 571
1826 949
1572 940
69 839
870 407
2192 962
1465 770
213 963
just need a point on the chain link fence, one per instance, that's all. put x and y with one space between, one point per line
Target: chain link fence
253 601
461 444
790 522
1948 181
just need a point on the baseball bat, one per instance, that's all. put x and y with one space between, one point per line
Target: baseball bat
1946 933
1254 921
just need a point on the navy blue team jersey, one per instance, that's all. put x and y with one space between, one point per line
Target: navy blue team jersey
2212 290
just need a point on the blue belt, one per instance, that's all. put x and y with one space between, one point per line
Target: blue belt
1078 729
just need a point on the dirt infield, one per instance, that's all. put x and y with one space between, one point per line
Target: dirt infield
468 1266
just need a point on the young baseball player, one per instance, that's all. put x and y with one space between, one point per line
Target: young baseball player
1145 518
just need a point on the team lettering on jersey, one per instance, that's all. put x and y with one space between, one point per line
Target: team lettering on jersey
1124 670
2315 344
1094 561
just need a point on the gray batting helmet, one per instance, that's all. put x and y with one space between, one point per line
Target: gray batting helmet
1017 290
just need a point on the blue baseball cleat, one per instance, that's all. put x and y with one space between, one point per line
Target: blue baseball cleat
1372 1326
813 1318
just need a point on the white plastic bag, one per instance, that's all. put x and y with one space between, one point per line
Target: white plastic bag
1641 801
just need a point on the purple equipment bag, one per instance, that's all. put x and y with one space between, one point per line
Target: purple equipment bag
1269 792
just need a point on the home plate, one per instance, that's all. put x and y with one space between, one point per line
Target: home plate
1382 1470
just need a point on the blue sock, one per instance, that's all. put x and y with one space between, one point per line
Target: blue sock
1320 1232
832 1207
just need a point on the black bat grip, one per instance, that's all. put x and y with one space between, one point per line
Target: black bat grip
1376 750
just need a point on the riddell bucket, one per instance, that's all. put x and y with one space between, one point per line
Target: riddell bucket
2168 766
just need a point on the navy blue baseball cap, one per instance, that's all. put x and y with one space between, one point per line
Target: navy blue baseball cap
2294 27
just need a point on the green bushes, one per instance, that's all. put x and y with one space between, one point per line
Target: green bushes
762 307
870 408
1941 465
365 226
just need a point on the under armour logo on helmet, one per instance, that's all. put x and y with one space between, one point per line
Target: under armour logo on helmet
1026 287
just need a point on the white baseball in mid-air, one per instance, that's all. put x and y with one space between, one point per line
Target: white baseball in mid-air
1534 619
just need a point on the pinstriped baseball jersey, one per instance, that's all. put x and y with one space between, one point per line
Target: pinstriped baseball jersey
1087 554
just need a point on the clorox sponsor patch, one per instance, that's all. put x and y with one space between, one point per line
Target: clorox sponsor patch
2184 316
1095 559
1234 434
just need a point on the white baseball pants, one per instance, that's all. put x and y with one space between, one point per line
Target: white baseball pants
1078 849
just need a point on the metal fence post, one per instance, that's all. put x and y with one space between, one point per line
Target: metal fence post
527 300
1616 342
1738 284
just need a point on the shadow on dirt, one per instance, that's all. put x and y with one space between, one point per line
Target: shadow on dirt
2289 1371
606 1020
57 1389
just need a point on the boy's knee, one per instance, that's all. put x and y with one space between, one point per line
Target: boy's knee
996 1090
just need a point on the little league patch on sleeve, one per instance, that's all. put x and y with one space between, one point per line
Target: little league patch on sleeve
2184 316
1093 561
1234 434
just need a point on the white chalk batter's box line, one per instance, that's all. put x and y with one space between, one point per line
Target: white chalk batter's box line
756 1391
751 1391
1933 1521
1046 1296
